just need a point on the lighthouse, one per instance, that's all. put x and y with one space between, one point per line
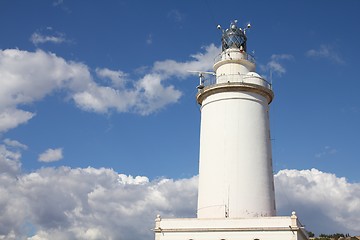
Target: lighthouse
236 196
235 170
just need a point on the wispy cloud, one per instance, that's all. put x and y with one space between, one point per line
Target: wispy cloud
325 52
58 2
48 36
15 144
61 5
149 39
37 38
326 151
176 15
276 64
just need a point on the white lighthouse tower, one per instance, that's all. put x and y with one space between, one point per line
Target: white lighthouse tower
235 172
236 198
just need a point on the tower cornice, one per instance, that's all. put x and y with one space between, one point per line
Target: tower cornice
234 87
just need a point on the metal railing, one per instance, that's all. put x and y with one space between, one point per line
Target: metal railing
209 80
237 78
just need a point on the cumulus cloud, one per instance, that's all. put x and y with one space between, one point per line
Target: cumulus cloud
51 155
276 65
326 52
11 118
117 78
27 77
10 154
9 162
325 202
89 203
147 94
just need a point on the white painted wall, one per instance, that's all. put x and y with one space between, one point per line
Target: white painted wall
235 166
270 228
235 157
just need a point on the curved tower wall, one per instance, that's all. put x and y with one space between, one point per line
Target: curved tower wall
235 165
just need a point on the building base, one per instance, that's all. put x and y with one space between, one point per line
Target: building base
261 228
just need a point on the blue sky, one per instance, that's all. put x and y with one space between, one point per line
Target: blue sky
95 86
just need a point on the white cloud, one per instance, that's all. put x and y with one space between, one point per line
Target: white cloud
14 144
58 2
200 62
27 77
325 203
327 52
149 39
11 118
48 35
326 151
275 64
9 162
154 95
101 99
37 38
149 93
118 78
51 155
176 15
61 5
90 203
128 179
